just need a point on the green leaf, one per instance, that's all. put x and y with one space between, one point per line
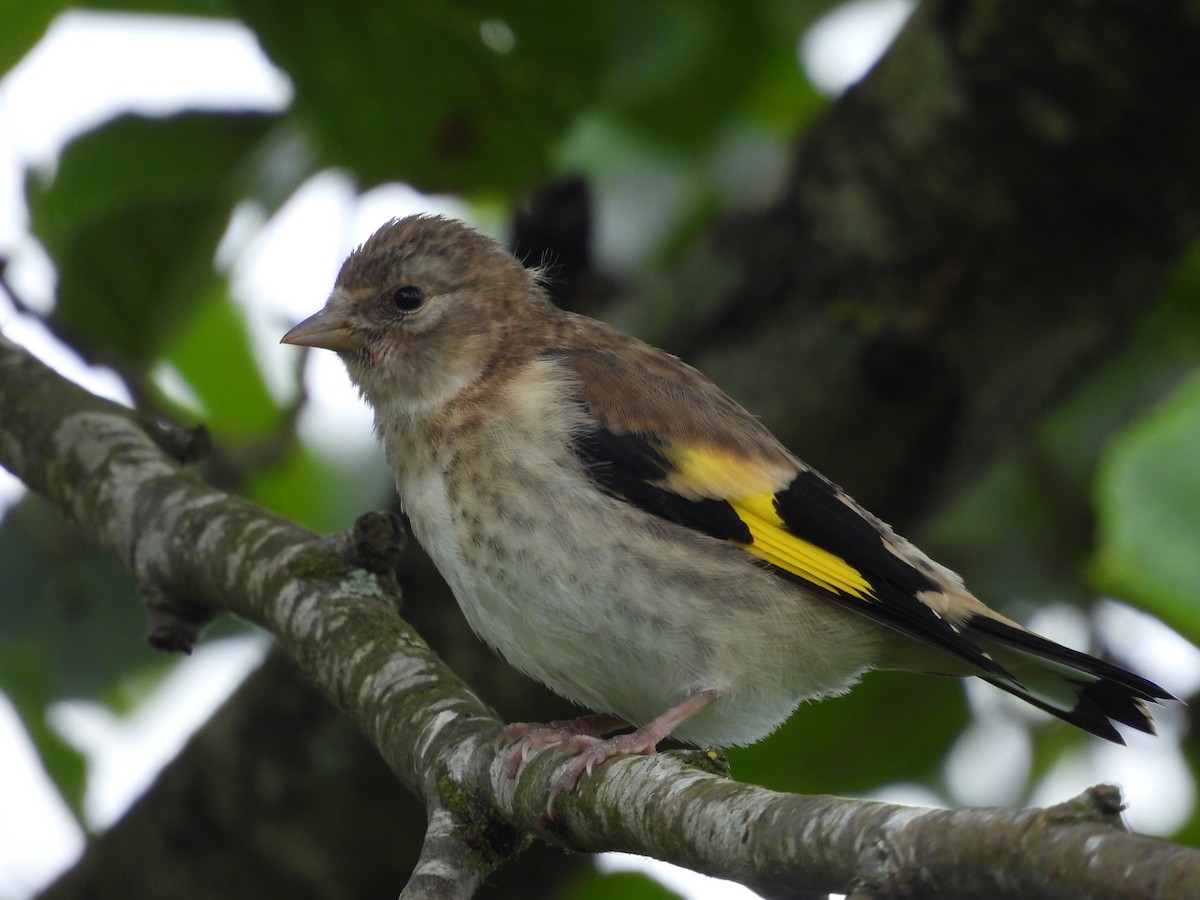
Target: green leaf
23 680
132 220
22 26
414 92
834 746
682 69
67 606
70 626
24 23
160 7
1148 498
1162 349
213 354
1011 538
627 885
320 494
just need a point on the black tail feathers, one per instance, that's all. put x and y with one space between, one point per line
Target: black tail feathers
1087 692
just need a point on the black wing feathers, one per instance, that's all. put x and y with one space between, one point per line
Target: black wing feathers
812 508
627 465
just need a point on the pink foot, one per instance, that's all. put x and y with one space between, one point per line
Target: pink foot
642 742
584 739
572 735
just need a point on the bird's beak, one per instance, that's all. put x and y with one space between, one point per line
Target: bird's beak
327 329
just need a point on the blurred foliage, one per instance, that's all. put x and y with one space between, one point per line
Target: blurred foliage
132 219
1026 531
488 99
472 97
833 747
70 625
627 885
234 401
1148 498
23 26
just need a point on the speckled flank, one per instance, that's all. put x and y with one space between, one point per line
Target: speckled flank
630 624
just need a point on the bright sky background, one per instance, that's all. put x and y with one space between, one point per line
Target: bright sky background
281 272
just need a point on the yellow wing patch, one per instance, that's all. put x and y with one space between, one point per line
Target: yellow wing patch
749 487
781 548
700 473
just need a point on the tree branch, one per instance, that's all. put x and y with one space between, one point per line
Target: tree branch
277 795
446 869
196 547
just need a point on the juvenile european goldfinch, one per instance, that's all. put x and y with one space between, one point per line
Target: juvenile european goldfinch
621 530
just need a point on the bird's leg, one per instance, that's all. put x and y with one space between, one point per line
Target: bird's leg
641 742
573 734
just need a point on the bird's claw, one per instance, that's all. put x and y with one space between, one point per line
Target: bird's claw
571 736
637 743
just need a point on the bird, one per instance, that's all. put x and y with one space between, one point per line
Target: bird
621 530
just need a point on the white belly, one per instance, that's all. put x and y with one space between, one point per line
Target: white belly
609 606
581 593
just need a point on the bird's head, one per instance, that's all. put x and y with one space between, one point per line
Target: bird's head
421 310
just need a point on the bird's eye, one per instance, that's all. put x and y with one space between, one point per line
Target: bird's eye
405 298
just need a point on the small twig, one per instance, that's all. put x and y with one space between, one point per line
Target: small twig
376 542
448 869
174 627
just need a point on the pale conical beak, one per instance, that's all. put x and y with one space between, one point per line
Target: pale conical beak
326 329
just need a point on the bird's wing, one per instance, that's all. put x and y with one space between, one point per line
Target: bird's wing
662 437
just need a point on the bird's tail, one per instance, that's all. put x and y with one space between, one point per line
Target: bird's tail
1087 692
